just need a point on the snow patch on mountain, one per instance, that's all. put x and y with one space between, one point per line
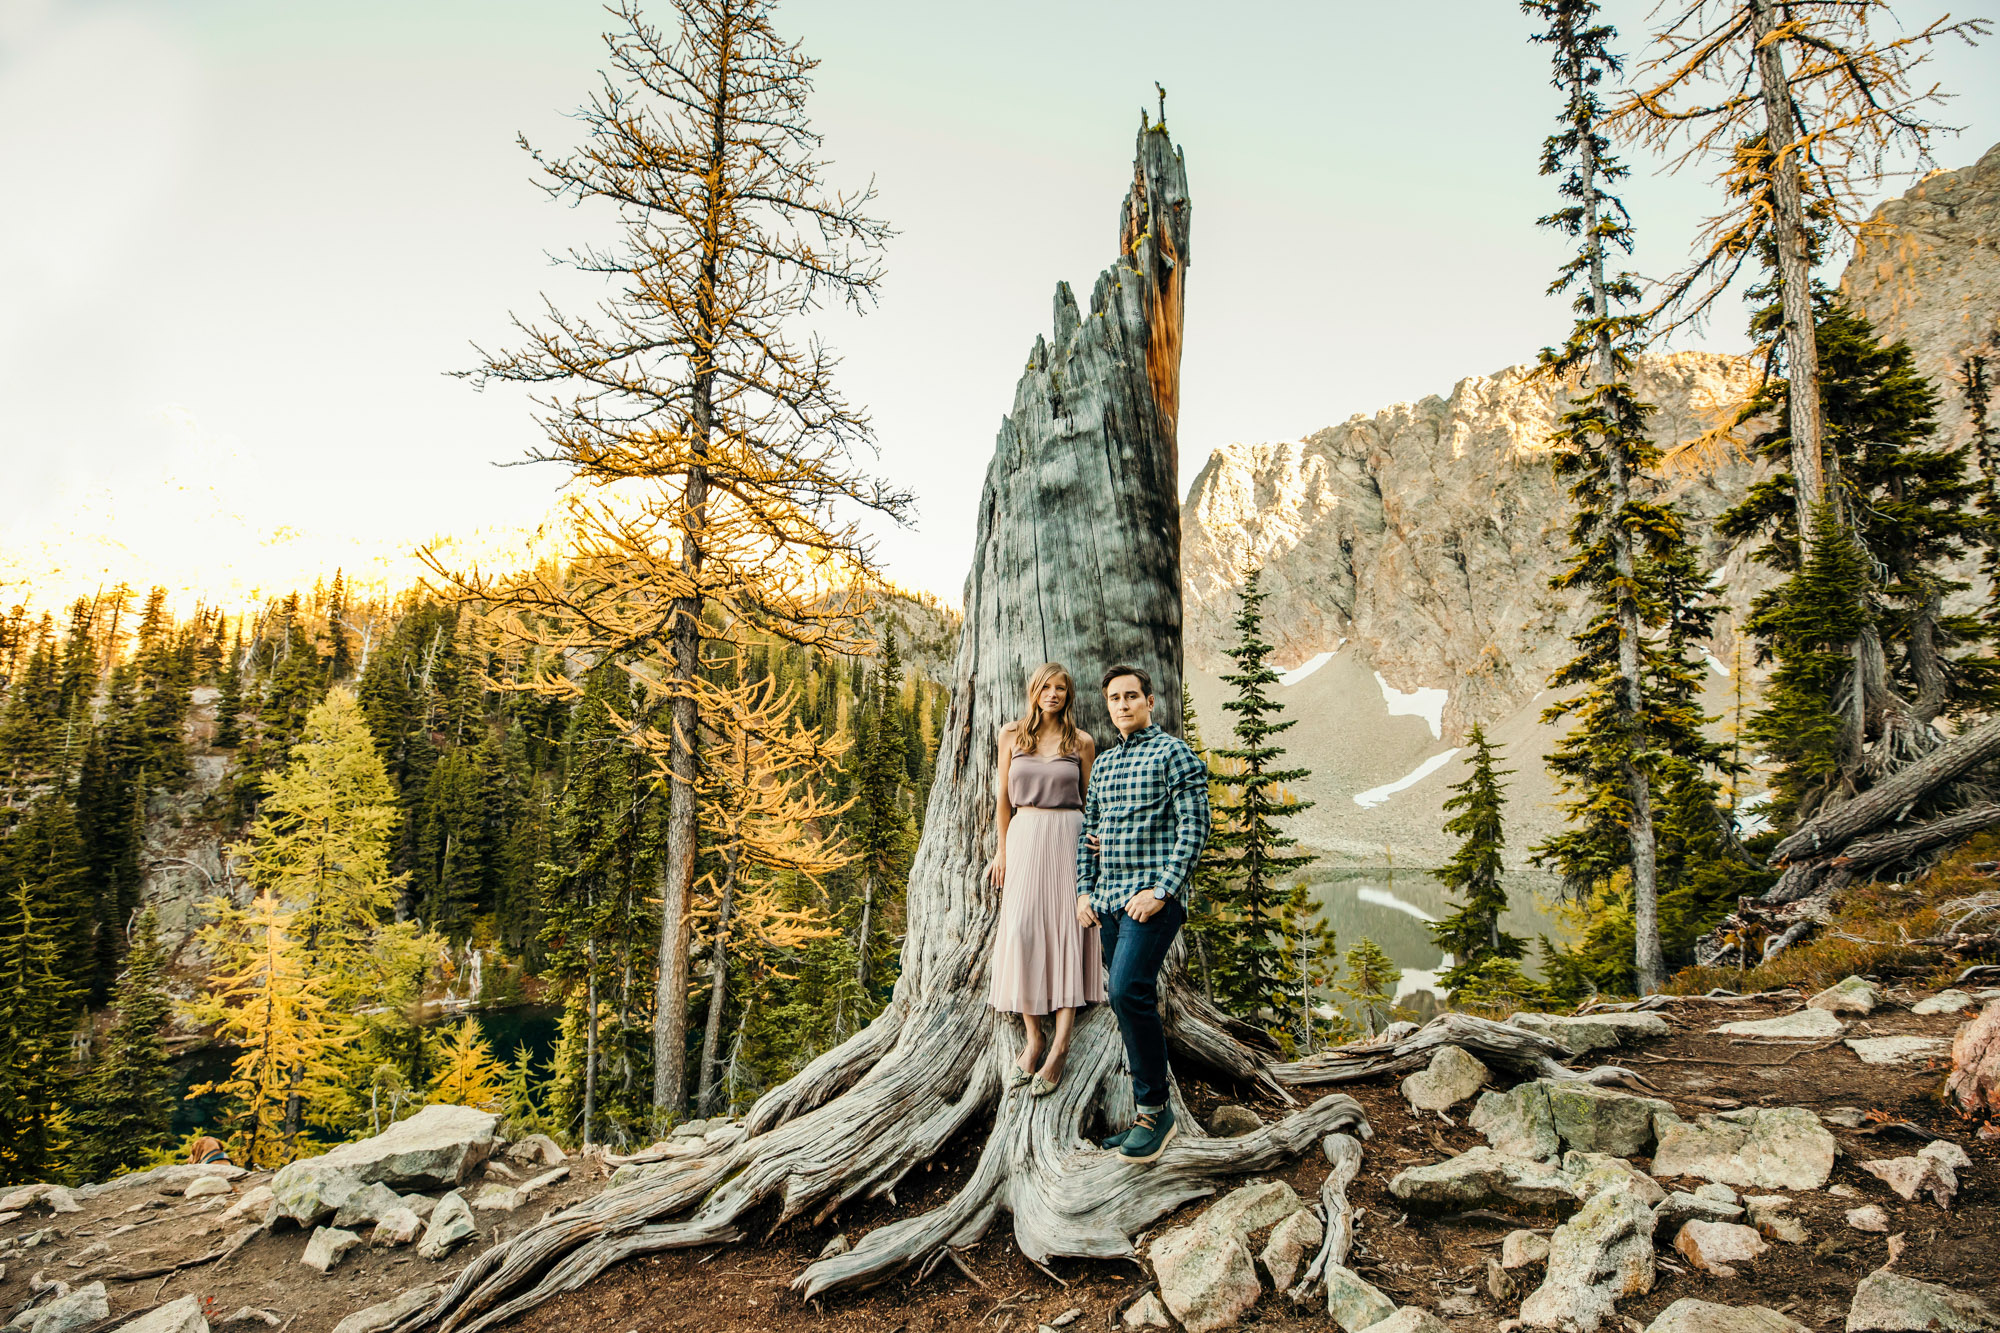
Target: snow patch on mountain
1427 704
1374 796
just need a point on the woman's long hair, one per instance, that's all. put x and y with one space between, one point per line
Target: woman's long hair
1028 731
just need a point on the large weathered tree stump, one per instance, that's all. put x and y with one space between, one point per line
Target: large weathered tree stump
1078 561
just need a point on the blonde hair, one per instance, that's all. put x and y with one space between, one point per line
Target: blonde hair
1028 731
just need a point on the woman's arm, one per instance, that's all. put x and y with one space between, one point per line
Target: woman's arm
996 870
1086 753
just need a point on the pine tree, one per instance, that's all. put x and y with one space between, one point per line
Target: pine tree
468 1075
521 1097
880 831
1372 978
38 1002
1307 968
1245 948
124 1115
44 861
1472 934
1204 922
229 706
340 654
161 684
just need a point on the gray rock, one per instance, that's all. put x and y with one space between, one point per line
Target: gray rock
1911 1176
389 1312
173 1178
1688 1315
1868 1218
1887 1302
438 1146
1593 1032
1762 1147
499 1170
1598 1257
1717 1191
451 1222
1451 1077
494 1195
1206 1277
1291 1241
1944 1002
254 1206
1850 995
1483 1178
1946 1152
206 1187
537 1150
1252 1207
52 1197
536 1184
1768 1215
1517 1122
1595 1172
370 1203
1847 1117
178 1316
1352 1302
1805 1025
1410 1319
1897 1050
1231 1121
250 1314
69 1310
1538 1118
1146 1312
398 1226
1680 1207
327 1247
1522 1248
1714 1247
420 1204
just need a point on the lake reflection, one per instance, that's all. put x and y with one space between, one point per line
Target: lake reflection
1392 906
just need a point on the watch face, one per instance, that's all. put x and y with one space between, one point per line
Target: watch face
1161 894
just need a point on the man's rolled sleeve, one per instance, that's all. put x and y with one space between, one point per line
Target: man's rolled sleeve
1187 779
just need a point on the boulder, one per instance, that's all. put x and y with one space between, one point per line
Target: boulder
177 1316
1944 1002
1850 995
1594 1172
1911 1176
1869 1218
1291 1241
451 1222
1451 1077
69 1310
1522 1248
1232 1121
398 1226
1887 1302
1483 1178
537 1150
1897 1050
370 1203
1146 1312
327 1247
438 1146
420 1204
1517 1122
1252 1207
1974 1084
1593 1032
1688 1315
1946 1152
1680 1207
173 1178
494 1195
1714 1247
1206 1277
1782 1147
391 1311
1598 1257
1352 1302
1805 1025
1410 1319
1768 1215
1538 1118
254 1206
207 1187
52 1197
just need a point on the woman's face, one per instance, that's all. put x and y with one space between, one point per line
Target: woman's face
1053 696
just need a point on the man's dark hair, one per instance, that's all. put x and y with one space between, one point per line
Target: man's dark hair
1113 673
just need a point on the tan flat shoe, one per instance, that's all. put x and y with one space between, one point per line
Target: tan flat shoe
1042 1087
1016 1076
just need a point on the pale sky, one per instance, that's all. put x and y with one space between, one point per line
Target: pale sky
242 243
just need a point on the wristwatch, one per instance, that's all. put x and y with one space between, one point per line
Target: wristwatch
1161 894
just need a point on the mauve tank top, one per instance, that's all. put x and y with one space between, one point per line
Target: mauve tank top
1045 784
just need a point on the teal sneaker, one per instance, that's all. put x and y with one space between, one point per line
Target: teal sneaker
1113 1142
1149 1136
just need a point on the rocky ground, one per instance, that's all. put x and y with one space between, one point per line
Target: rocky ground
1768 1166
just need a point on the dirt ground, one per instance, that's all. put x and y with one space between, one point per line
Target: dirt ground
1437 1263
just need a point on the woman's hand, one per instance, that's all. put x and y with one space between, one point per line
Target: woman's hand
996 871
1086 916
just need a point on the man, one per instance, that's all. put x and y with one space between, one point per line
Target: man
1145 819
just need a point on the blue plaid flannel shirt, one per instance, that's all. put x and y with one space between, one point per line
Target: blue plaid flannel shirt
1148 806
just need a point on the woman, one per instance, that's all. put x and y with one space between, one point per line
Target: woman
1044 962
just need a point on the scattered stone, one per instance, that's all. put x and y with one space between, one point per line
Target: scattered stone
439 1145
327 1247
451 1222
1714 1246
537 1149
1763 1147
1206 1277
89 1252
1596 1258
1911 1176
1896 1050
1688 1315
1947 1152
1291 1241
1592 1032
1944 1002
1231 1121
1522 1248
250 1314
1499 1286
391 1311
1251 1207
1146 1312
371 1203
172 1178
398 1226
1680 1207
1851 995
1870 1218
1805 1025
1483 1178
207 1187
1352 1302
420 1204
1451 1077
179 1316
5 1218
838 1245
1594 1172
1974 1084
1717 1191
52 1197
1410 1319
1847 1117
68 1310
1843 1191
496 1167
1891 1303
1067 1317
1767 1214
254 1206
495 1195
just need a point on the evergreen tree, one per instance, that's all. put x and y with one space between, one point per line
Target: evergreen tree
1246 950
880 830
161 683
229 706
44 864
1204 921
37 1077
1308 965
340 654
468 1075
1372 977
124 1115
1472 934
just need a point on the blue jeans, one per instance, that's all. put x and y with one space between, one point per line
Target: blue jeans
1133 952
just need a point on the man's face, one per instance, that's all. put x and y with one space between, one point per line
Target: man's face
1131 707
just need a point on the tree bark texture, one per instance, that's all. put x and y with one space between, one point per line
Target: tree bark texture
1077 560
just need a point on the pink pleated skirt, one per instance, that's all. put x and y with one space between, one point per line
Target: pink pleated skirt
1042 959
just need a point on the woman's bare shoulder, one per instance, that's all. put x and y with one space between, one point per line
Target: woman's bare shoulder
1086 744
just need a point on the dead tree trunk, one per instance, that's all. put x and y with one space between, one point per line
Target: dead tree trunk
1077 560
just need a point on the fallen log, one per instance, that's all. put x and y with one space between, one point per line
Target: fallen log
1891 798
1918 838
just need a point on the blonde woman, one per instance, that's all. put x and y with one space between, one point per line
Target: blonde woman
1044 960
